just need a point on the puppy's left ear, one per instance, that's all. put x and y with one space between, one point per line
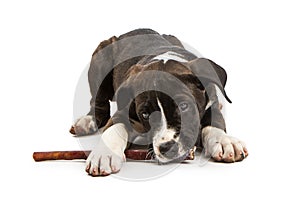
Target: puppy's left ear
209 72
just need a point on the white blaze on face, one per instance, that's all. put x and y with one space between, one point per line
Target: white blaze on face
164 134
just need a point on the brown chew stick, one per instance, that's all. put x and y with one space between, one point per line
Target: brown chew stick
60 155
73 155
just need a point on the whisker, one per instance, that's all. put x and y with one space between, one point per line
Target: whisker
149 154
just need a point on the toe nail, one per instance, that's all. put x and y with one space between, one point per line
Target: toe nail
231 155
220 154
104 173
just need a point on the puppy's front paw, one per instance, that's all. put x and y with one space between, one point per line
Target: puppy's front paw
84 126
222 147
103 161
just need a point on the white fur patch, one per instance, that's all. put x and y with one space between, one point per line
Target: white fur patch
208 105
115 138
219 97
108 155
170 55
164 134
211 135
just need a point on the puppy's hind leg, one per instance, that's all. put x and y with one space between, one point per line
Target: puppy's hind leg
100 76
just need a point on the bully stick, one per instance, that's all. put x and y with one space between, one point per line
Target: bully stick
136 154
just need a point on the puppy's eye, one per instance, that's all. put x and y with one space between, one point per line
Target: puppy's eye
183 107
145 115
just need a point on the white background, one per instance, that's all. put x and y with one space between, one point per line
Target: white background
44 47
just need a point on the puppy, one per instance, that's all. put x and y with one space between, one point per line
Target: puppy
166 101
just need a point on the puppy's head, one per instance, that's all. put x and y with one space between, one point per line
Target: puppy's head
165 103
171 124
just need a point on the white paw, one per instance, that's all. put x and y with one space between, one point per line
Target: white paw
104 161
108 155
85 125
222 147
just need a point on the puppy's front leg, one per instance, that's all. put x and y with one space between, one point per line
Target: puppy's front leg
108 155
216 142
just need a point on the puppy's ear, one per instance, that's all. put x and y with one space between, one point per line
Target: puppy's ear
125 93
209 72
123 96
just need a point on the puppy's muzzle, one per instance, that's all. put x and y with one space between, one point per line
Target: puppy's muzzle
169 149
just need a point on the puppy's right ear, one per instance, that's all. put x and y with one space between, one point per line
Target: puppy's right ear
208 72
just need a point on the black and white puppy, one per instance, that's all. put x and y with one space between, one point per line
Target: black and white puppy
166 99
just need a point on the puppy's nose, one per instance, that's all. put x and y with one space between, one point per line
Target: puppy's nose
169 149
